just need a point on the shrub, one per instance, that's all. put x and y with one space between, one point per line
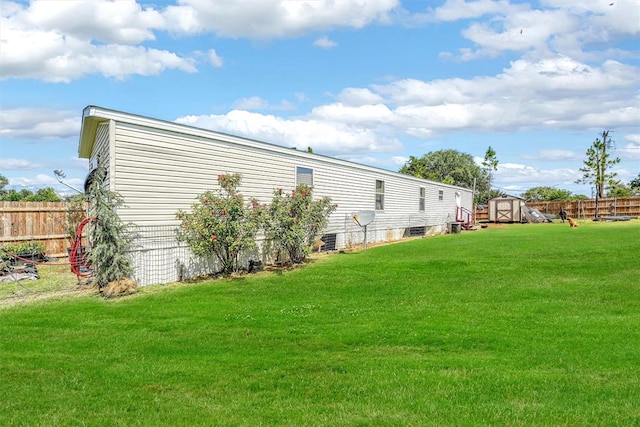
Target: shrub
29 249
220 224
294 220
75 214
111 239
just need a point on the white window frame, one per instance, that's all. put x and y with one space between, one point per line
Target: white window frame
421 199
304 171
379 200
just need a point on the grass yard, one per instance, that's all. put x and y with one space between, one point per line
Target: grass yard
521 325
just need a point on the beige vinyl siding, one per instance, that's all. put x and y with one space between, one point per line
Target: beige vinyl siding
160 170
101 150
160 173
101 147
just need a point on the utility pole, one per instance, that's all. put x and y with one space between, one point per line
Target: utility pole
601 170
473 200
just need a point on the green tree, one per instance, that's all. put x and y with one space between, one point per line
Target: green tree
295 220
618 189
47 194
16 196
541 194
111 239
597 165
490 163
3 183
483 197
448 166
634 185
595 169
221 225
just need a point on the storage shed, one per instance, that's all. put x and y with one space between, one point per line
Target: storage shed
160 167
506 208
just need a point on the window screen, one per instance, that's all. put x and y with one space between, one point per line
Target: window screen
440 195
421 200
379 195
304 176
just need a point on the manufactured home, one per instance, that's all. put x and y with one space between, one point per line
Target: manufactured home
160 167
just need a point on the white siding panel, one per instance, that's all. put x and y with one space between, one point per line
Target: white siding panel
160 172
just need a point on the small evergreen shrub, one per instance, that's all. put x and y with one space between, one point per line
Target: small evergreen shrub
111 239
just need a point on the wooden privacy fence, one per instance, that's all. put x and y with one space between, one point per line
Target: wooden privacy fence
37 222
621 206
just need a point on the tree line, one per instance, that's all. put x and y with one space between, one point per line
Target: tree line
456 168
47 194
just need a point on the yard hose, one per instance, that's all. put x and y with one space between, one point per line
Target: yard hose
77 258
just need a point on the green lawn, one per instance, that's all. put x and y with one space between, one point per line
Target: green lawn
520 325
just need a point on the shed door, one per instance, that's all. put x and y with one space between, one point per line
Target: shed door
504 210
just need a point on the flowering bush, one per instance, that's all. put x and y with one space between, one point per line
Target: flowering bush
294 220
220 224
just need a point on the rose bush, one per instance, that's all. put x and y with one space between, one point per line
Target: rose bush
294 220
221 224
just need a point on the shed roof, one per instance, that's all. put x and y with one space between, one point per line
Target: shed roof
506 196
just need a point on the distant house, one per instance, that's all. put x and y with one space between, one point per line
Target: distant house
160 167
506 208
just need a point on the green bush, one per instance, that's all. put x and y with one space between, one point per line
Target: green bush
295 220
221 224
24 248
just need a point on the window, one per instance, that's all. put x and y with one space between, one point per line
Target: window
379 195
440 195
421 200
304 176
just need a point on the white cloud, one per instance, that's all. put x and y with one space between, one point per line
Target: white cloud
357 97
17 164
215 59
559 26
122 21
634 138
77 38
323 137
325 42
453 10
363 115
74 39
40 180
553 155
630 152
257 103
518 177
39 123
527 95
268 19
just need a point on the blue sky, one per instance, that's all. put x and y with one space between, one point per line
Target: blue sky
368 81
